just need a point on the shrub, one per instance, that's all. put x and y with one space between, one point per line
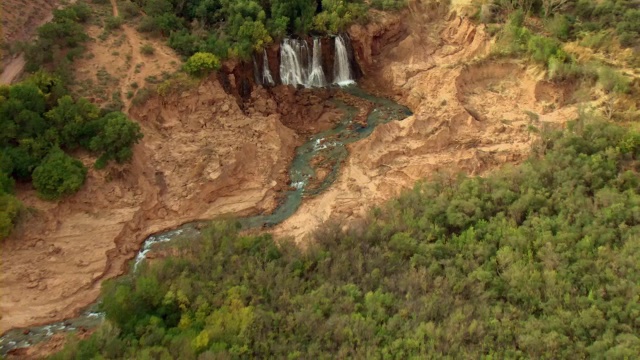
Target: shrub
560 27
388 4
596 40
58 175
9 209
183 42
129 10
6 183
201 63
147 49
543 48
611 80
113 22
141 96
627 39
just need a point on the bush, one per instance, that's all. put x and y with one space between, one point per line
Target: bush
9 209
201 63
560 27
113 22
184 43
611 80
147 49
388 4
129 10
596 40
628 39
58 175
543 48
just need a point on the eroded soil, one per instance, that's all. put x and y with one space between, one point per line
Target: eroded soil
470 115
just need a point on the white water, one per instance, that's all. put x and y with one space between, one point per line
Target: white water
292 62
298 66
151 240
341 66
316 77
266 73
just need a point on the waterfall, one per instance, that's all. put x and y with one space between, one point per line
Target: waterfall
341 65
300 66
316 77
256 72
292 64
267 79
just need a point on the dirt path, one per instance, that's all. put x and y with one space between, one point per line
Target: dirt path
13 70
138 71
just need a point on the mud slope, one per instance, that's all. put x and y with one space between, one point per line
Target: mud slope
469 115
201 157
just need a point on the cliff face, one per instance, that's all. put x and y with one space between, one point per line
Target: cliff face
471 114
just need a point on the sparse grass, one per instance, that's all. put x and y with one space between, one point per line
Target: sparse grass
141 96
612 80
152 79
596 40
147 49
103 76
533 117
104 36
121 39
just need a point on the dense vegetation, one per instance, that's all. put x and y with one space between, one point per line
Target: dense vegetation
570 19
596 24
59 41
39 124
240 27
534 261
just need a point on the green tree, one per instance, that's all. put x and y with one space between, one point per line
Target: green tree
201 63
71 119
299 14
116 139
58 175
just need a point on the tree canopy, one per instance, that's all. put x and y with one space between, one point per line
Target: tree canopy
38 122
534 261
238 28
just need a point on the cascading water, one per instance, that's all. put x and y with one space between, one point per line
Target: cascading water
292 62
300 67
267 79
316 77
341 65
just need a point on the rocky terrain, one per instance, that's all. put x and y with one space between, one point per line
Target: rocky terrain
470 115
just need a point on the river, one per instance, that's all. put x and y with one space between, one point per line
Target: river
327 149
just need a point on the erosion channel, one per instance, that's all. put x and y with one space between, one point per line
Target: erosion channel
314 168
